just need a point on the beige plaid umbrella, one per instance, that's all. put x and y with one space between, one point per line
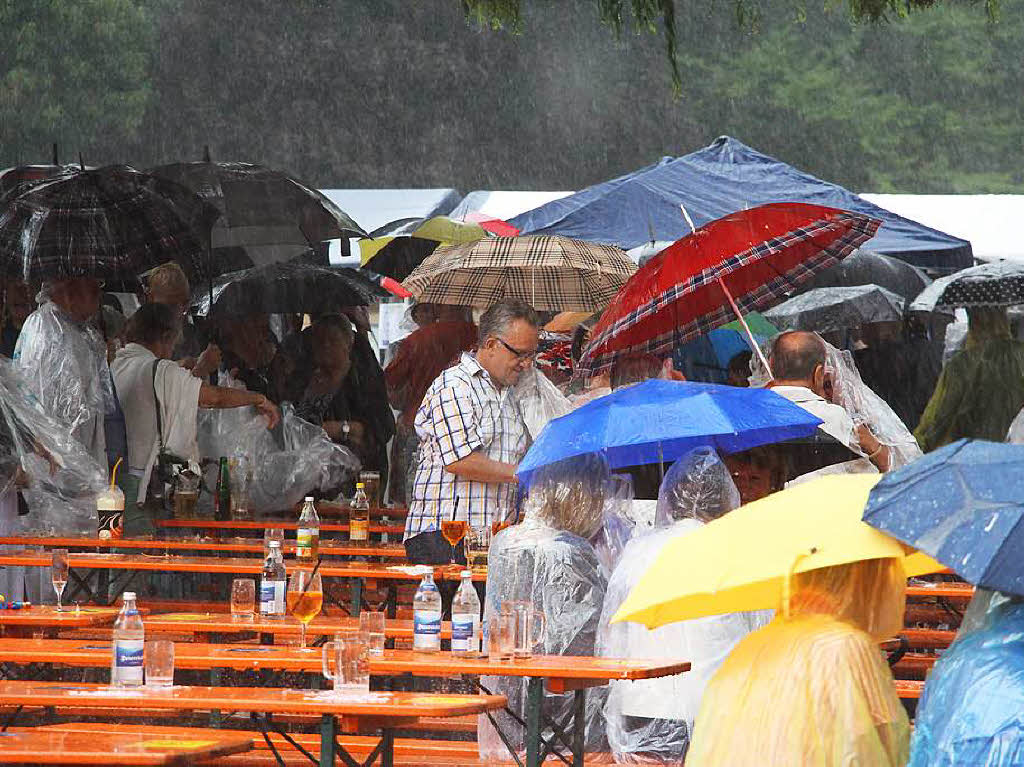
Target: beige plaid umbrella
549 272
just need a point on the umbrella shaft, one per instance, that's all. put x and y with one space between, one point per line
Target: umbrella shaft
743 321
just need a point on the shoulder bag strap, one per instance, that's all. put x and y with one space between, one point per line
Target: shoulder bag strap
156 402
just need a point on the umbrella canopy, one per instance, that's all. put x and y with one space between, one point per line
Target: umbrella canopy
827 310
964 505
550 273
401 248
999 283
106 223
867 268
660 420
741 561
757 255
288 288
706 357
270 214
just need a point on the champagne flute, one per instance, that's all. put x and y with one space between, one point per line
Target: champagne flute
305 598
59 574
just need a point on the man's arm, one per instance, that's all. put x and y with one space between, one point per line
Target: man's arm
226 397
479 468
876 452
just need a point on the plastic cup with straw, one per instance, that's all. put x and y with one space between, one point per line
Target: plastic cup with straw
110 507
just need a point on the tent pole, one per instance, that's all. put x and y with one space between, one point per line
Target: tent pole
743 321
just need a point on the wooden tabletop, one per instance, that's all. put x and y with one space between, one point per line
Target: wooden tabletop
282 524
92 653
224 565
948 590
909 688
378 706
28 746
223 623
238 545
47 616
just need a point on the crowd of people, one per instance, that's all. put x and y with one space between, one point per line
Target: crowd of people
136 386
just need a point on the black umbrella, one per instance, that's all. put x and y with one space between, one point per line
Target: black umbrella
865 267
826 310
270 214
106 223
288 288
999 283
399 257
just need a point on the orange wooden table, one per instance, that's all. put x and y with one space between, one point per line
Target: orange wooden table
46 618
39 746
561 674
226 545
205 626
909 689
949 590
373 712
356 572
229 528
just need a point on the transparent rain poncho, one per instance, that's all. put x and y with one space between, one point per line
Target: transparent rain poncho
812 686
547 560
62 478
65 363
540 400
972 709
653 718
293 460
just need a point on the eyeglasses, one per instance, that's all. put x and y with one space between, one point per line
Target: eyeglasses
521 356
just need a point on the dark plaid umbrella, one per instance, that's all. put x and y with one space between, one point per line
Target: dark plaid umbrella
288 288
1000 283
826 310
108 222
273 216
549 272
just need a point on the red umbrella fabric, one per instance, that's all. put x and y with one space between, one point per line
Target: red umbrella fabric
759 255
495 226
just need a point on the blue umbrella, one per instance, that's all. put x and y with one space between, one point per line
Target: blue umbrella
659 420
963 504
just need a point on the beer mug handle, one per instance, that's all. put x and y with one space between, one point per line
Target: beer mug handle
538 632
328 651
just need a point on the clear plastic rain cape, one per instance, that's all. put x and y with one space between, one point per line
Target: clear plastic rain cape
653 718
548 561
812 688
288 463
540 400
65 364
61 478
972 710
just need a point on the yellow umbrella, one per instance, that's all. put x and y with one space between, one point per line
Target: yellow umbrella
742 561
441 229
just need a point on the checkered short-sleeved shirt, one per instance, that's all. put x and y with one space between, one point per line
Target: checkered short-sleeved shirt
462 412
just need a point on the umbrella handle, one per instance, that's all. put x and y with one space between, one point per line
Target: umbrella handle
750 336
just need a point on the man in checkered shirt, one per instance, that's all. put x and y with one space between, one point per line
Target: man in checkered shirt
472 433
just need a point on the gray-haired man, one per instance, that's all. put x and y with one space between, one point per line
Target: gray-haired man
472 433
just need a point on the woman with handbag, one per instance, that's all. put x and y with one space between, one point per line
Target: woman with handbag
161 402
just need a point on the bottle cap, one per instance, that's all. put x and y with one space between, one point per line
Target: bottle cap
309 499
466 574
128 595
360 485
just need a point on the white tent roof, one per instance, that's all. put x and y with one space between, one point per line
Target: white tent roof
987 220
504 204
372 208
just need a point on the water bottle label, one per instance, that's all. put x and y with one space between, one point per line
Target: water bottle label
463 633
272 597
128 661
426 630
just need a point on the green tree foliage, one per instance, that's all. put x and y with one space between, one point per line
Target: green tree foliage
74 72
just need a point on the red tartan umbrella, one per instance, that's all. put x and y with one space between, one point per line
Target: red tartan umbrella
740 263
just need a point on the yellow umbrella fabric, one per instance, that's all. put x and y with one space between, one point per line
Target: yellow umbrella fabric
742 561
441 229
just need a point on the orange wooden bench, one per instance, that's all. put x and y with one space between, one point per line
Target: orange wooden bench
50 746
909 689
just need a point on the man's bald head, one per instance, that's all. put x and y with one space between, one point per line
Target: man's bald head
798 358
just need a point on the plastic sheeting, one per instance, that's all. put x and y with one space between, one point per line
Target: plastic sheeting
540 401
619 524
293 460
547 561
812 687
62 478
972 710
653 719
65 364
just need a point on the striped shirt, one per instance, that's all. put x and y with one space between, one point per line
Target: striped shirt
463 412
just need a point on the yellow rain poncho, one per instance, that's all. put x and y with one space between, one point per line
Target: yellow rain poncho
812 688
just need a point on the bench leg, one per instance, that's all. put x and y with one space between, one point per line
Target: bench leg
357 597
534 701
579 726
387 753
328 732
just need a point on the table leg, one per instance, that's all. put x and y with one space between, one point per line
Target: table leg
387 753
579 726
357 597
534 701
328 732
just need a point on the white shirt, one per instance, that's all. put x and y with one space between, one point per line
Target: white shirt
178 391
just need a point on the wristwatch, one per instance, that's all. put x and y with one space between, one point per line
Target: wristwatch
345 429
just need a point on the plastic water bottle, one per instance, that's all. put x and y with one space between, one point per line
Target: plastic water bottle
426 616
359 516
273 583
466 617
127 646
307 537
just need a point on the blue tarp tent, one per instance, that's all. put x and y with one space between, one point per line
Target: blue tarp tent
723 178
